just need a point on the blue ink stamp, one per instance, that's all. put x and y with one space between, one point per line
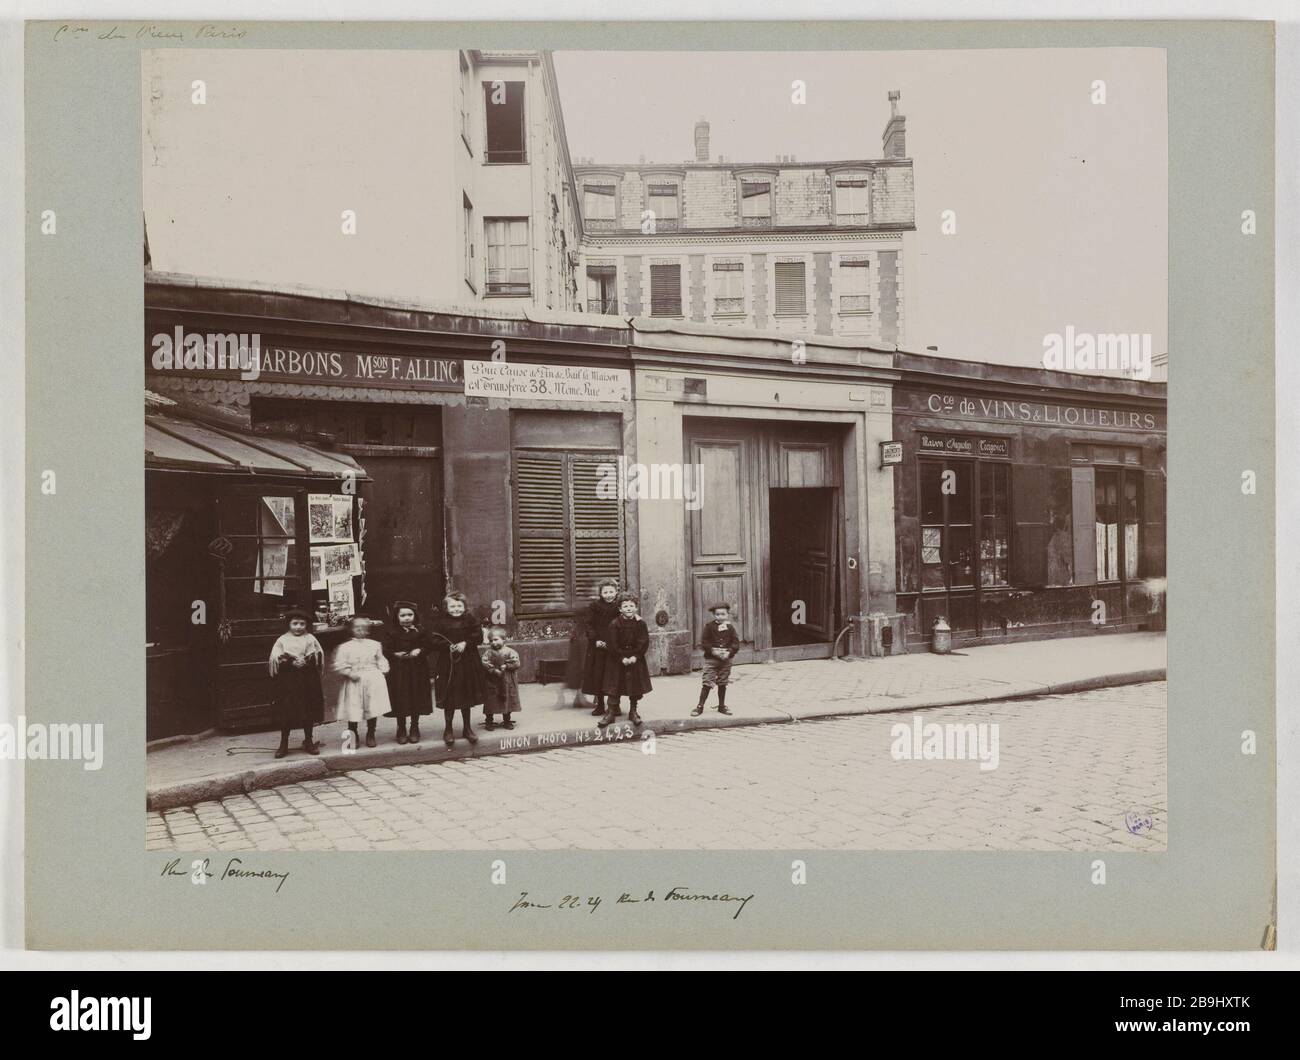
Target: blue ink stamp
1139 823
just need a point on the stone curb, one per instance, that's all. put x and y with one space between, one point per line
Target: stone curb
187 793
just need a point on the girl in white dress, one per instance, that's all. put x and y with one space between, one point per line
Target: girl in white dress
364 692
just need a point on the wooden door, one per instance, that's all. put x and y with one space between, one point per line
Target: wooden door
814 558
721 534
260 556
403 544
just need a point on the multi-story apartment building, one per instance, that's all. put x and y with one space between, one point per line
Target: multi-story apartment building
806 247
464 199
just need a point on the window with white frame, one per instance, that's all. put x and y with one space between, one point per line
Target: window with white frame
661 199
852 203
728 289
464 102
468 208
598 204
791 289
507 255
854 283
755 203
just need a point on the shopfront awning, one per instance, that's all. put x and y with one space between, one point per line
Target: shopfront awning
172 443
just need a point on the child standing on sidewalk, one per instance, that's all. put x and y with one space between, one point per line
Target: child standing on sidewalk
626 673
363 695
600 613
296 663
457 669
407 650
501 687
720 642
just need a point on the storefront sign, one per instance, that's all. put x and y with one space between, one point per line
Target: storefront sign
250 359
1029 413
891 453
544 382
963 445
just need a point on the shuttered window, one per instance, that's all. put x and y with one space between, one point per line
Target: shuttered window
791 295
567 535
665 290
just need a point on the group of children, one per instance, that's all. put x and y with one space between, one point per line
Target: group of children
392 678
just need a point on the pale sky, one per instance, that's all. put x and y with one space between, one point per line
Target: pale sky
1061 203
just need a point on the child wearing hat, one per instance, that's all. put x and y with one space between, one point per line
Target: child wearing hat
600 613
296 699
407 648
457 669
720 643
363 694
626 673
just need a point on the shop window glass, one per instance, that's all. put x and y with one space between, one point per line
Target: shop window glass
994 525
1132 523
1106 506
961 532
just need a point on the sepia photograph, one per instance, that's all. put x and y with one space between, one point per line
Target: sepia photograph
689 450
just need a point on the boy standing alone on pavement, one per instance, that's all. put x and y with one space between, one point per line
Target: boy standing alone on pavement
720 643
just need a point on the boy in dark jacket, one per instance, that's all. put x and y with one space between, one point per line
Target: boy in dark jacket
720 642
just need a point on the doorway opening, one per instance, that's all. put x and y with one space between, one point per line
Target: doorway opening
803 576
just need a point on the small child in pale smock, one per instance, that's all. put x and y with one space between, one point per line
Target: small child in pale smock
363 695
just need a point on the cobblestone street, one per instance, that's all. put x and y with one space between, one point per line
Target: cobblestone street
1074 772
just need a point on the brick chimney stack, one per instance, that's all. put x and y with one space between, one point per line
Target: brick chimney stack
894 140
701 140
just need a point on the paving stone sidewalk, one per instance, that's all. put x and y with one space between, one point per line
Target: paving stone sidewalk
186 772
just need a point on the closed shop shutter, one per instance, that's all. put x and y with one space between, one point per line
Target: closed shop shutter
597 528
1084 517
791 295
540 563
665 291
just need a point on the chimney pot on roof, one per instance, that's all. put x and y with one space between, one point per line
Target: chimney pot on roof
701 140
894 140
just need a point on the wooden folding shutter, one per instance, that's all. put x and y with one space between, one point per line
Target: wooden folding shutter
1030 495
665 291
597 526
541 558
1084 515
790 292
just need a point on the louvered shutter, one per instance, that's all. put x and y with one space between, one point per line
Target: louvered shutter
541 559
665 291
790 293
597 526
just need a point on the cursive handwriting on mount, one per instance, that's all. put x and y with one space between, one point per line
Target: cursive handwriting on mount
68 31
673 895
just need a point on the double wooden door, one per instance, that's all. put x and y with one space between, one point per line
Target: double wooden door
765 536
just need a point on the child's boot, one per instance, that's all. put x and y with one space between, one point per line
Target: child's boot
704 697
283 749
448 737
722 700
401 730
465 729
489 722
599 710
611 713
632 715
370 732
507 721
414 736
308 744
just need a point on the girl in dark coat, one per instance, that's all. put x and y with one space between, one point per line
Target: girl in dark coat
457 668
407 649
627 673
600 613
296 698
